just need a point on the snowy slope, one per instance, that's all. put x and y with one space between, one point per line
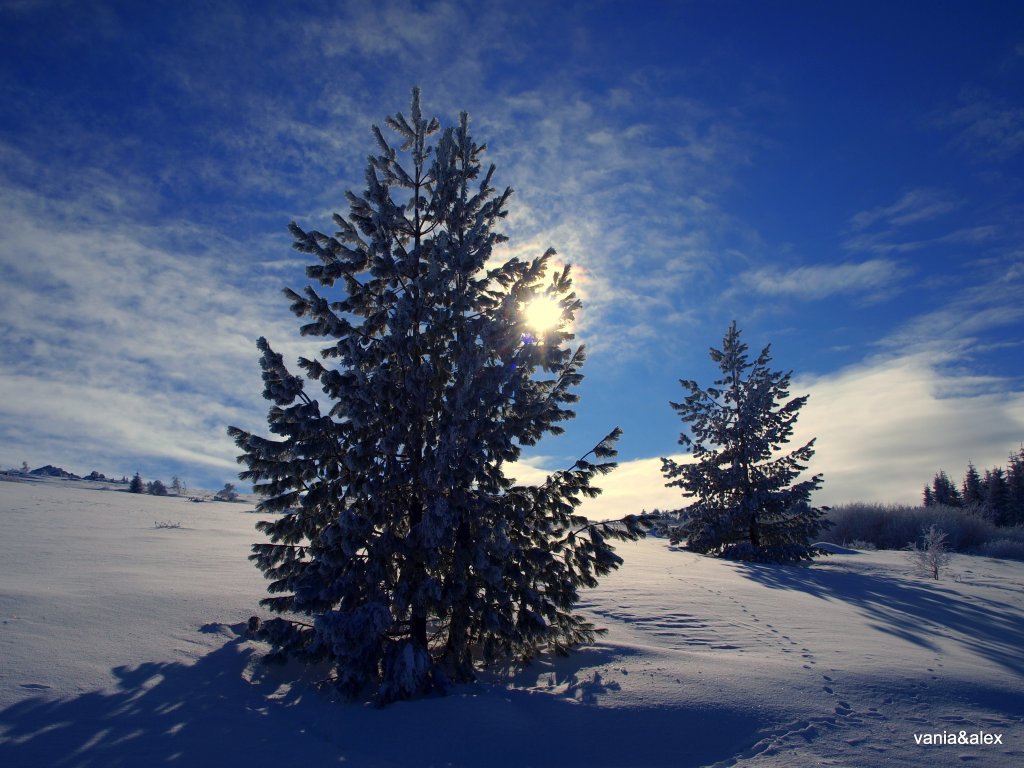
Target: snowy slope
121 644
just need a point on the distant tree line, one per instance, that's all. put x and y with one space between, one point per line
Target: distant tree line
135 485
155 487
998 493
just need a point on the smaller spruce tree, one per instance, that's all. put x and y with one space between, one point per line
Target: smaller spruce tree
747 503
136 485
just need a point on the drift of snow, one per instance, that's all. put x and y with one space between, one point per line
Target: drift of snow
123 644
834 549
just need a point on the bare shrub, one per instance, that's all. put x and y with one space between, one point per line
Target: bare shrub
932 554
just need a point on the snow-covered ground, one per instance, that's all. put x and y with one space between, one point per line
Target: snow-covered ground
122 644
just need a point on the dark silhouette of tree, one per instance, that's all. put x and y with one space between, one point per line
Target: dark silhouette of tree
997 496
400 536
227 493
944 492
747 503
971 491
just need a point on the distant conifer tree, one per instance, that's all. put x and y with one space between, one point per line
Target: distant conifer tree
1015 488
944 492
997 496
401 535
227 493
971 490
747 503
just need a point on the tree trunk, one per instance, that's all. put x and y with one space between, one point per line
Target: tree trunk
457 651
418 614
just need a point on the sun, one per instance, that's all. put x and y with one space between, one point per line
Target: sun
542 314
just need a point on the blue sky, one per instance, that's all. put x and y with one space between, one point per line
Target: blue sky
843 179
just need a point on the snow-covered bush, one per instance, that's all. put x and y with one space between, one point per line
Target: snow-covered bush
931 554
860 544
891 527
1005 549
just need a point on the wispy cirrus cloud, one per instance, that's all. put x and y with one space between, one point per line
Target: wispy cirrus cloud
871 280
125 342
635 205
585 169
921 218
916 205
892 241
987 126
967 319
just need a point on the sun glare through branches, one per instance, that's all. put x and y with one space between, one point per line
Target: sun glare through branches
542 314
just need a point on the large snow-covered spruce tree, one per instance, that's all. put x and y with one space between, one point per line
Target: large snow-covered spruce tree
746 504
403 556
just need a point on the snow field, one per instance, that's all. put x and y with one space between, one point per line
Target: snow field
122 644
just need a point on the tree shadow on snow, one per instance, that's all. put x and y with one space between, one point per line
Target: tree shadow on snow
208 713
917 613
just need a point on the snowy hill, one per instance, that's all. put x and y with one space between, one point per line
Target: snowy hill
122 644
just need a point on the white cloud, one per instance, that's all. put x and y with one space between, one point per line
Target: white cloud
989 127
111 429
895 228
884 427
873 279
914 206
125 343
974 311
632 487
890 241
